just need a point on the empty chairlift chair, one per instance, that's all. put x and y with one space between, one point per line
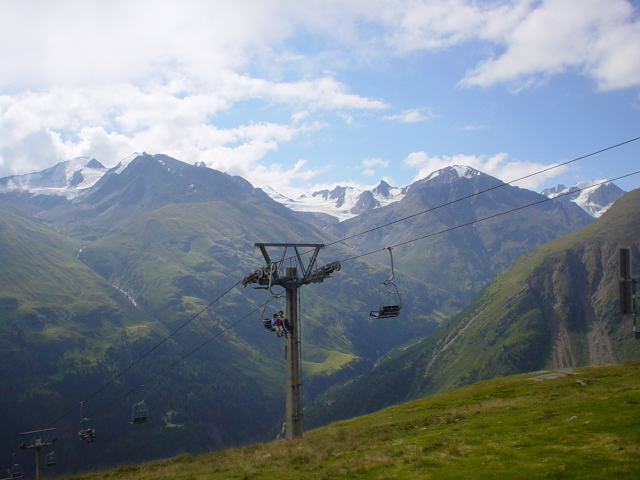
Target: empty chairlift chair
16 471
389 299
140 412
50 459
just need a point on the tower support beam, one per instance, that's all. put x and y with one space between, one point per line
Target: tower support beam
294 407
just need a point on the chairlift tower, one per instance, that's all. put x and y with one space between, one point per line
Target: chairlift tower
37 440
291 278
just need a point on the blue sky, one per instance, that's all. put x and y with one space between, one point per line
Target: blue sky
306 95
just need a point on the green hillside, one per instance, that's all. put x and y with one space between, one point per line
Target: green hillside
582 423
50 302
65 332
556 306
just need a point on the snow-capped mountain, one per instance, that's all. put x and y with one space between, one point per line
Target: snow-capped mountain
342 202
593 197
68 179
345 202
72 178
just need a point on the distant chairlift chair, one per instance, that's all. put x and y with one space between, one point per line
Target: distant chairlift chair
140 412
16 471
85 432
50 459
390 302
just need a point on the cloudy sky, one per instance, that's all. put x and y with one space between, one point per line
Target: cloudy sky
300 95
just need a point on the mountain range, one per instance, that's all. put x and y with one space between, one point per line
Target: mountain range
327 207
103 269
73 178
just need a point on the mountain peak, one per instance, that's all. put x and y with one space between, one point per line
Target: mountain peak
383 188
460 171
594 197
69 179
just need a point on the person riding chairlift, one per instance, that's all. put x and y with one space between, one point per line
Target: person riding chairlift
285 322
87 434
278 325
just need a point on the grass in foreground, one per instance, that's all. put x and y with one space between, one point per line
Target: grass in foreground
582 424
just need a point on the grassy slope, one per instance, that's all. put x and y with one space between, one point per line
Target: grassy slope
583 424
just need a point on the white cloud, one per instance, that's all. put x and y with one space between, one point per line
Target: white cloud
533 39
432 24
499 166
73 42
111 121
369 163
474 127
375 162
597 38
77 42
410 116
87 77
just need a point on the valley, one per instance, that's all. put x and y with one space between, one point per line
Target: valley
131 281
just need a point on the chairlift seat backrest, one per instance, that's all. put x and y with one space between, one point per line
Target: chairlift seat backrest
390 310
386 311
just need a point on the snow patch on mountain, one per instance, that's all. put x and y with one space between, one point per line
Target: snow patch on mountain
341 202
124 163
462 171
594 197
68 179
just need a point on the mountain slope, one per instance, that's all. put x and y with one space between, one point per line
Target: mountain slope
554 307
461 259
65 333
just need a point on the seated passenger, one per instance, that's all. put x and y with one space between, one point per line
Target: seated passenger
277 322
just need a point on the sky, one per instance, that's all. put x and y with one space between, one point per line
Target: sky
306 95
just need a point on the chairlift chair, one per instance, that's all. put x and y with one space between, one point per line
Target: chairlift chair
16 471
267 325
389 299
50 459
140 413
85 432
